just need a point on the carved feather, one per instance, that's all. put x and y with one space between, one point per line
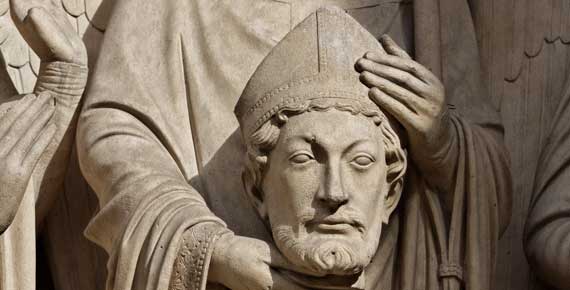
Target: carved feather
525 50
565 22
74 7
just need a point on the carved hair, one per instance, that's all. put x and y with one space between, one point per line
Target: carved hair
262 141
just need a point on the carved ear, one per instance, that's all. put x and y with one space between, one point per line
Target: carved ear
397 166
392 198
254 195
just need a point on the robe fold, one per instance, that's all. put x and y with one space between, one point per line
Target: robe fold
547 229
158 142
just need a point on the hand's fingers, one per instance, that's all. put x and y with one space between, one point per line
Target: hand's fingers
282 283
60 19
26 141
14 113
408 65
41 143
392 47
24 121
378 52
20 8
50 32
394 74
20 11
393 107
402 95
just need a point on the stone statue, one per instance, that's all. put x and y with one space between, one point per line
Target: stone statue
522 46
158 142
36 134
325 168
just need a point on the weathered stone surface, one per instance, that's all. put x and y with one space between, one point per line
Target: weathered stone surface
151 186
177 69
36 137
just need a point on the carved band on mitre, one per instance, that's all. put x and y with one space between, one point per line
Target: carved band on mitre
314 61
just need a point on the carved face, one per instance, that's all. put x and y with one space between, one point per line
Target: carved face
325 191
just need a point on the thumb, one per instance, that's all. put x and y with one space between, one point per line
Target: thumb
392 47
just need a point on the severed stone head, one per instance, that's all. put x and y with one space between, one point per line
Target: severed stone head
325 167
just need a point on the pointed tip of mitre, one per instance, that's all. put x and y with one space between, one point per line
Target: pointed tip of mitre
314 60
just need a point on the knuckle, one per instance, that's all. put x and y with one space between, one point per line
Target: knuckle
366 75
414 69
407 78
376 92
411 67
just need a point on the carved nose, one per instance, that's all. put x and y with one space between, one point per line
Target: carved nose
335 199
333 192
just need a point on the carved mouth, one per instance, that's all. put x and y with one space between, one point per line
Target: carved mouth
332 228
336 225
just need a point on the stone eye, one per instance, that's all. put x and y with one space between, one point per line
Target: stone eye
301 158
363 160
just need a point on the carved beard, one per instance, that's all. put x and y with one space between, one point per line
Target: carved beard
325 255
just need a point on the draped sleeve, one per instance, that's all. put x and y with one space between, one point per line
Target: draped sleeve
453 245
135 144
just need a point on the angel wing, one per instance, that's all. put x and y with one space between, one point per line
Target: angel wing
88 17
525 50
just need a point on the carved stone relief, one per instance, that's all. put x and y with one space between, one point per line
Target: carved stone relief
367 152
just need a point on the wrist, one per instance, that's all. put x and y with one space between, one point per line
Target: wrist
219 257
62 79
438 159
194 256
436 148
